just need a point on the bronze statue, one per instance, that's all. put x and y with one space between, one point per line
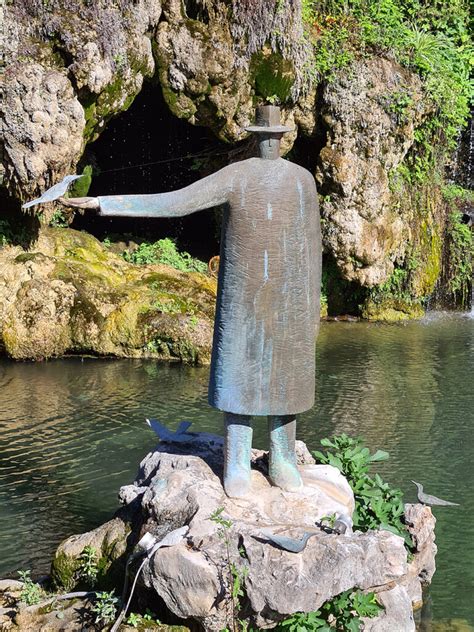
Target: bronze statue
267 315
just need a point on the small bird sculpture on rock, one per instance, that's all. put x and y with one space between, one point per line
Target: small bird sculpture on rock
293 545
428 499
168 436
54 192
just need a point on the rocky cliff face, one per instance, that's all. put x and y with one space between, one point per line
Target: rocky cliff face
73 64
367 139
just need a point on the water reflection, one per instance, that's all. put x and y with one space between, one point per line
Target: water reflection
73 431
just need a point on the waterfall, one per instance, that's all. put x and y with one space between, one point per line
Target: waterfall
469 184
470 157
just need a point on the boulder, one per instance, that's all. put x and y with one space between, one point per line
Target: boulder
421 525
180 484
68 293
71 65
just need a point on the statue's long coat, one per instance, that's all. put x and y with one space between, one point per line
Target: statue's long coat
269 281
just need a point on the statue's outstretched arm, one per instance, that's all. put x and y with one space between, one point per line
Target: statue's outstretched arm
210 191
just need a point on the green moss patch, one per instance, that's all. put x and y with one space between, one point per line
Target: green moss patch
112 308
273 75
392 310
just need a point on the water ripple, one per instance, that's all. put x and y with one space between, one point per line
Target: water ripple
73 431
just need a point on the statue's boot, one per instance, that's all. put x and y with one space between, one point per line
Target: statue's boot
237 452
282 458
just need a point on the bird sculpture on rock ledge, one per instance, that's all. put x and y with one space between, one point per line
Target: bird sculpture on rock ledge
168 436
428 499
293 545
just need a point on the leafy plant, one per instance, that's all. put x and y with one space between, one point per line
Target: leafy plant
342 613
105 608
236 574
166 306
398 104
31 592
395 287
58 220
461 255
165 251
88 569
135 620
377 505
431 39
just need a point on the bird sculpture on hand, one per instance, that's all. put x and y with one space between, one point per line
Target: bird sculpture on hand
53 193
428 499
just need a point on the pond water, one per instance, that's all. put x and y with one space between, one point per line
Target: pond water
73 431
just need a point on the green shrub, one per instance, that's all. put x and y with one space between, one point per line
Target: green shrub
105 608
165 251
342 613
31 592
88 569
58 220
377 505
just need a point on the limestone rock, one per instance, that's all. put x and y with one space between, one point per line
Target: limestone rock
397 614
41 129
72 65
110 544
10 585
213 64
68 293
62 618
370 115
192 577
180 484
421 525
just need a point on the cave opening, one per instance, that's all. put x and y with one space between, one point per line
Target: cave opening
149 150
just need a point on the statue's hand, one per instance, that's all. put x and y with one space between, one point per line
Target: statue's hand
81 202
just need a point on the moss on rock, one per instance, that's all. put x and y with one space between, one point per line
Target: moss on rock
273 75
80 188
64 570
425 261
391 310
73 295
109 541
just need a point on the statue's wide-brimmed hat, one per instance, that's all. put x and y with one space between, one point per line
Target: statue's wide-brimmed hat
267 121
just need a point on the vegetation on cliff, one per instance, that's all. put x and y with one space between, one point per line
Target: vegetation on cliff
432 40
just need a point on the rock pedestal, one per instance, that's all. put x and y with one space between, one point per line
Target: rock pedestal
180 484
